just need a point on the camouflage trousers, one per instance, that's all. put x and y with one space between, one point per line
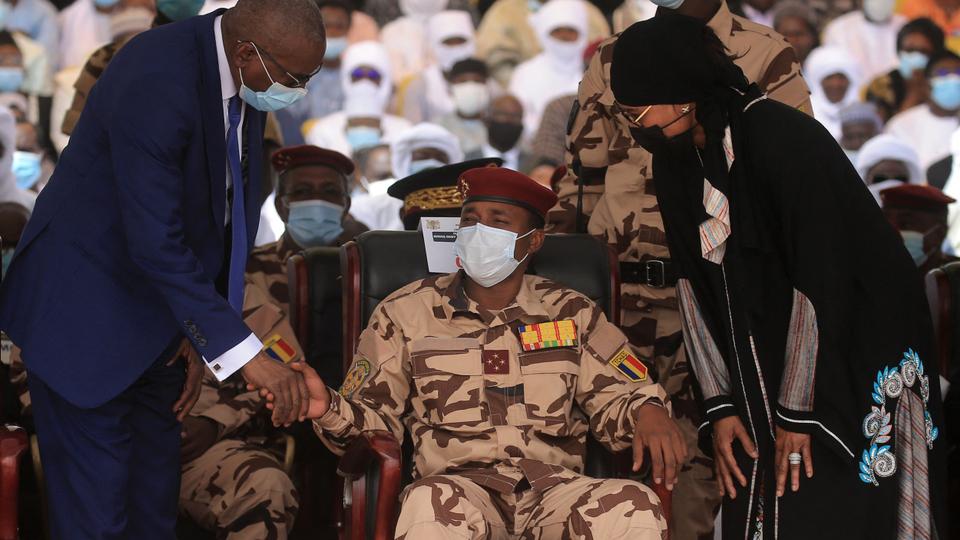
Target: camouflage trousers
240 491
578 507
656 332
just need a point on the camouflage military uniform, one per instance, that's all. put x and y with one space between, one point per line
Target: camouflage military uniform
238 486
620 203
498 440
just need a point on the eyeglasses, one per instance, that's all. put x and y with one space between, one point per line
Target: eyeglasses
943 72
299 81
684 110
366 73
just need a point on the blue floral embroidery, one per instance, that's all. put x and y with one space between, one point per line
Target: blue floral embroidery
878 461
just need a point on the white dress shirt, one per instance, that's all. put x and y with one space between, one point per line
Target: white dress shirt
511 158
241 353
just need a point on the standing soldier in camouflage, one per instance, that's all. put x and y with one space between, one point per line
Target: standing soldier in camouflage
233 481
610 181
503 375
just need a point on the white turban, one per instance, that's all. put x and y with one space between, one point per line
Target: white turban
363 98
888 147
446 25
560 13
418 137
822 63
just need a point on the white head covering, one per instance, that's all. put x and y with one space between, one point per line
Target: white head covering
888 147
131 20
9 192
422 9
822 63
446 25
556 14
363 98
420 136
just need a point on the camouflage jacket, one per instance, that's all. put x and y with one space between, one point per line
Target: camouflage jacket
475 401
619 197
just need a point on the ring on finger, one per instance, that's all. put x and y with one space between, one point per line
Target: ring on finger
794 458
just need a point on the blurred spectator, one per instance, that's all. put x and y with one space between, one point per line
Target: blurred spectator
869 35
427 96
387 11
887 161
373 165
631 11
422 147
907 86
561 26
32 165
505 37
928 127
944 13
834 79
37 68
84 27
9 191
13 220
17 103
919 214
471 97
406 38
367 87
828 10
504 123
859 123
758 11
37 19
11 65
798 24
550 142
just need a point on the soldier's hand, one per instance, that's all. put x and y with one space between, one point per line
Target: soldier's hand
319 395
284 389
655 431
725 431
191 386
198 434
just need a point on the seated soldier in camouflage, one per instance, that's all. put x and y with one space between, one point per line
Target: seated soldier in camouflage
232 479
490 364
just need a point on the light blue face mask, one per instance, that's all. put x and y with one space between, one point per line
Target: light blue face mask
424 164
315 223
178 10
669 4
361 137
7 257
275 97
945 91
911 61
26 168
913 241
105 3
11 79
5 8
534 5
335 47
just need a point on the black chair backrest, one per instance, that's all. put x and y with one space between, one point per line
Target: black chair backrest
322 341
389 260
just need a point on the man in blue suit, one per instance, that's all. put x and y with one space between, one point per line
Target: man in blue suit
134 260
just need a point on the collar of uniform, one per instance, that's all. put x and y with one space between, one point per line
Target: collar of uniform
722 22
286 247
526 307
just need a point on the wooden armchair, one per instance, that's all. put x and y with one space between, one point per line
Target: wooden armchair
380 262
13 443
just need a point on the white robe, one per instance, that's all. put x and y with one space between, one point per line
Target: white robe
927 133
83 30
873 45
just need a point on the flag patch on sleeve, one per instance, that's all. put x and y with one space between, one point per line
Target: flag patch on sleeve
548 335
278 349
629 365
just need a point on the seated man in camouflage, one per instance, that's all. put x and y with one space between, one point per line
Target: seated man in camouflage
499 376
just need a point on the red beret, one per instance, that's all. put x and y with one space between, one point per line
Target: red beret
916 196
507 186
292 157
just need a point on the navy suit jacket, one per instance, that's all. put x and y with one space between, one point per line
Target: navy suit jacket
126 241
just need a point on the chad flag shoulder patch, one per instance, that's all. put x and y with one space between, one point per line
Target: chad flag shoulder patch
278 349
548 335
627 363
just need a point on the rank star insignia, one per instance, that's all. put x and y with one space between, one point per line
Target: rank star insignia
496 362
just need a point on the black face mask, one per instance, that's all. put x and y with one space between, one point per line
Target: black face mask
652 139
503 135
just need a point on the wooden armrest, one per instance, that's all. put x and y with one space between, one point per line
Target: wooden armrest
13 443
377 451
372 448
666 503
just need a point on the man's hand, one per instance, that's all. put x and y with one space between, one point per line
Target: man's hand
198 434
725 431
656 431
788 443
191 386
284 389
319 395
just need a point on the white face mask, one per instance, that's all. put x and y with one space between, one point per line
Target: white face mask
470 98
878 11
564 52
487 253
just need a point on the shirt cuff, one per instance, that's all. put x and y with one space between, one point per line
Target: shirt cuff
231 361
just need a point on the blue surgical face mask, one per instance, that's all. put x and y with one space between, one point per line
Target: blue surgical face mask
945 91
11 79
335 47
669 4
315 223
361 137
26 168
911 61
534 5
178 10
424 164
275 97
105 3
913 241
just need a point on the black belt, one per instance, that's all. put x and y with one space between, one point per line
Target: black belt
656 273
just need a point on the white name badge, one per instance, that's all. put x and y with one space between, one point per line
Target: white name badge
439 235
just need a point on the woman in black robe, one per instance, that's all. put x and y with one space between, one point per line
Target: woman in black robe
804 317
